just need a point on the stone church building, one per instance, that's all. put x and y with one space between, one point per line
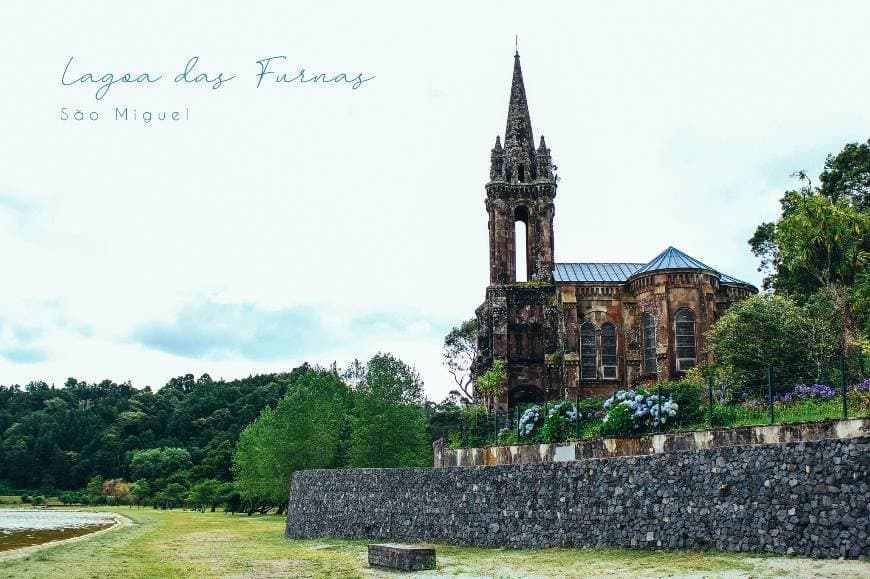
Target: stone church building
596 327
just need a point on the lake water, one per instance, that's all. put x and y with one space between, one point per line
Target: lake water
26 527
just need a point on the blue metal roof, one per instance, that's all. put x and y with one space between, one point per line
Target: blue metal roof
728 279
671 258
596 272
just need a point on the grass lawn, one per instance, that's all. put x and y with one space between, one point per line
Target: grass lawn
188 544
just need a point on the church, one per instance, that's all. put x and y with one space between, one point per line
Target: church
581 329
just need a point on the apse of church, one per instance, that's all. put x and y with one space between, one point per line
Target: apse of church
596 327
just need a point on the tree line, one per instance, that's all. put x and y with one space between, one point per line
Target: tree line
201 442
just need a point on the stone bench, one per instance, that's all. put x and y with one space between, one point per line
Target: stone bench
402 557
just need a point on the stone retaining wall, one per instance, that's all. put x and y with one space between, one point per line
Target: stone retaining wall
808 498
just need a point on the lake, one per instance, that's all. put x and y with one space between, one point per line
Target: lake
27 527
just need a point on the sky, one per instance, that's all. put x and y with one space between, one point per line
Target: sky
317 222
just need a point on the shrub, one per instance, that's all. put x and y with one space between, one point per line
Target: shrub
688 399
560 423
476 425
635 411
591 407
530 420
25 498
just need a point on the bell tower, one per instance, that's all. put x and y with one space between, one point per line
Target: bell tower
518 323
521 188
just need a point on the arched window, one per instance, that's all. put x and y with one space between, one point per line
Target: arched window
521 244
649 344
520 263
521 173
685 337
588 355
608 350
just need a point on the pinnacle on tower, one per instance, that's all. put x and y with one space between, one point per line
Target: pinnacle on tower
518 132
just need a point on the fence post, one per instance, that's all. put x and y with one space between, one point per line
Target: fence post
770 393
710 398
843 385
577 411
659 400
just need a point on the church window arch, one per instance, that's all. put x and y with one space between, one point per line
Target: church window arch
588 352
684 332
521 244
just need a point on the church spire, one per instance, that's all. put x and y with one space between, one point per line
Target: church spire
518 132
518 162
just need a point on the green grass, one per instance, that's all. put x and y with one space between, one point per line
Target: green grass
189 544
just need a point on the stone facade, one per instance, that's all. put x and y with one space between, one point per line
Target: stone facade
567 329
806 498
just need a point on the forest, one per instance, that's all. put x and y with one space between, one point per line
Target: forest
110 442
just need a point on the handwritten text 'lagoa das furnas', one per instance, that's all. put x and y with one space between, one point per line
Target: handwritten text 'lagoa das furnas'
267 71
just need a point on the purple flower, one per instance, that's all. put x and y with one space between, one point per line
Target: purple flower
801 392
752 404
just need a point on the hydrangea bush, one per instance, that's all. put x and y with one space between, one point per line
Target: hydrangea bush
529 420
558 423
561 422
634 411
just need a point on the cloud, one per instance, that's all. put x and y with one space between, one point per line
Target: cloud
19 343
15 204
214 329
24 355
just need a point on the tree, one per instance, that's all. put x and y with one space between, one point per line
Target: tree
229 497
161 466
140 492
767 331
95 489
172 496
847 176
492 383
59 438
460 350
116 491
388 422
302 432
204 494
821 243
444 417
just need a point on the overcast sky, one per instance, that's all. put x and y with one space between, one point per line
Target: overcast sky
316 222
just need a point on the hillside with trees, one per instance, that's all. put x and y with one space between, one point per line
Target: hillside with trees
201 442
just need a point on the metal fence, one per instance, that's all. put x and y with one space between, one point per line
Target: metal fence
826 389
